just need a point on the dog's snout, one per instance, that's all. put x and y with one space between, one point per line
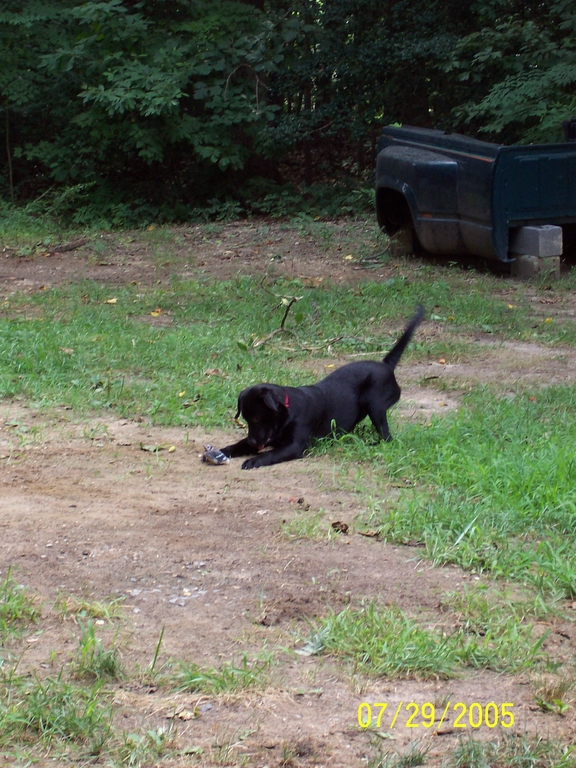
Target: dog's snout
259 438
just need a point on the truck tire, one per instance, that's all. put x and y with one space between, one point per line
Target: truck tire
394 215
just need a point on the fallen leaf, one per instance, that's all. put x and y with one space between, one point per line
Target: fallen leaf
340 527
373 534
111 301
442 361
184 714
193 751
156 313
67 350
151 448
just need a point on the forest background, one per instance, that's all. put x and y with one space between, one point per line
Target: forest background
118 112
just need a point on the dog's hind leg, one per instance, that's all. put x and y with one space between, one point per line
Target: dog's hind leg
381 423
377 410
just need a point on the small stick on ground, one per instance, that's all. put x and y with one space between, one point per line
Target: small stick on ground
288 302
259 342
65 247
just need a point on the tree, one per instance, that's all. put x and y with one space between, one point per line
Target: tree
524 65
143 95
157 105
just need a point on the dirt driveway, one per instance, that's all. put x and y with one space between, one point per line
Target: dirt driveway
206 553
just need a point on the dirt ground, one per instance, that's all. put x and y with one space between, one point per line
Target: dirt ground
200 551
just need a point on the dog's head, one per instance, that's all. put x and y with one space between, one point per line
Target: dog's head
264 407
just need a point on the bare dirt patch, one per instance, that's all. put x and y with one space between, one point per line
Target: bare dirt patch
87 509
222 251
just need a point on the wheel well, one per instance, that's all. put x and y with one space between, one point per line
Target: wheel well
392 210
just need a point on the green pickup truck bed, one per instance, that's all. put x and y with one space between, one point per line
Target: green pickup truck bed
464 196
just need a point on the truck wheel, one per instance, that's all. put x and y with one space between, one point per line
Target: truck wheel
395 218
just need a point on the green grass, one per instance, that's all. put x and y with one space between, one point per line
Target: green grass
415 755
54 710
494 631
555 692
92 660
493 487
69 605
490 488
386 642
27 227
71 346
511 751
140 749
383 643
507 751
308 525
17 608
228 678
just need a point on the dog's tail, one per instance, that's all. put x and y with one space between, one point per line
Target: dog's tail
397 350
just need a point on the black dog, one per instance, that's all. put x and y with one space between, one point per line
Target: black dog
285 419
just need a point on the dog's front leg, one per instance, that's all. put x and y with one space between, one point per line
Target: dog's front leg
275 456
241 448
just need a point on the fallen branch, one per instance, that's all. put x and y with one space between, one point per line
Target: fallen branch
65 247
325 343
288 302
259 342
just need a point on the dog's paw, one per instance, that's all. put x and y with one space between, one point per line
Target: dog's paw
251 463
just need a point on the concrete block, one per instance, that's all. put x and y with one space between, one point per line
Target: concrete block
402 243
527 266
545 240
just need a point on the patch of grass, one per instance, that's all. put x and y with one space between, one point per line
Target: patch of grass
385 642
17 609
512 750
180 354
555 693
308 525
228 678
521 604
225 750
415 755
82 608
92 660
29 226
495 632
54 710
493 487
140 749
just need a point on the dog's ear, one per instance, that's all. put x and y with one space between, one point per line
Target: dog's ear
273 399
241 397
